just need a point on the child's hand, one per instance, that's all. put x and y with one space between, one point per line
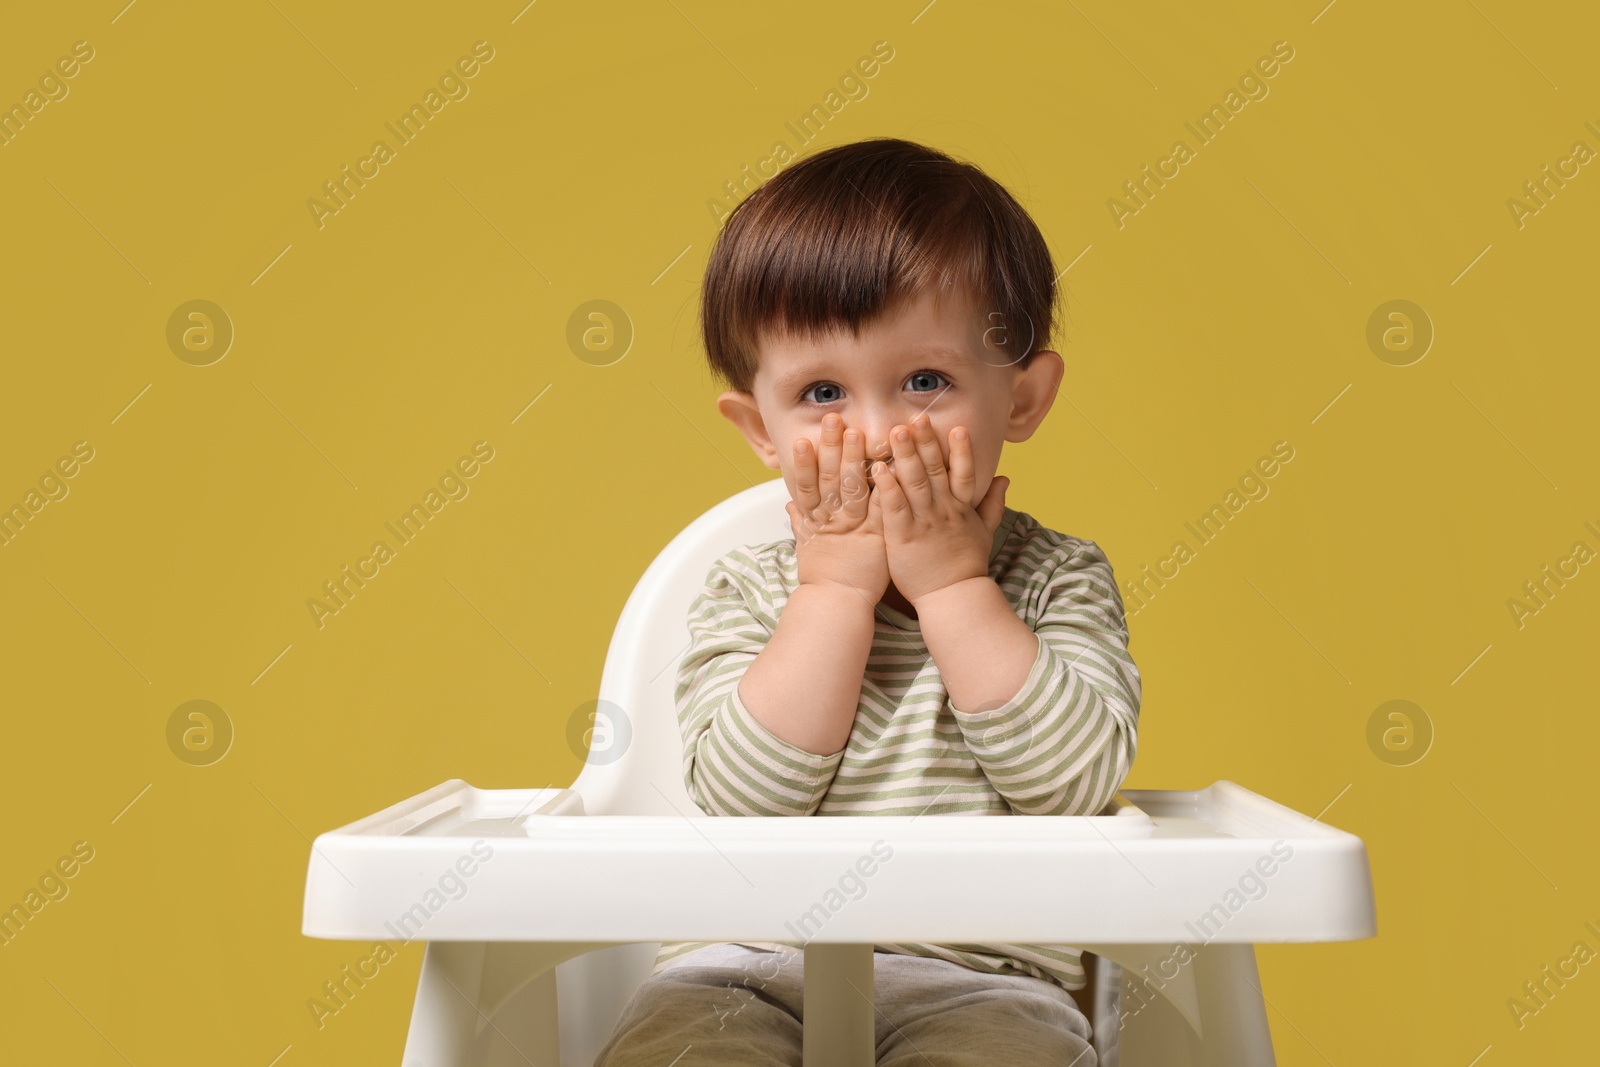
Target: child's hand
934 535
838 537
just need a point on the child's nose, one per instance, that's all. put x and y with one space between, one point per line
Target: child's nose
876 427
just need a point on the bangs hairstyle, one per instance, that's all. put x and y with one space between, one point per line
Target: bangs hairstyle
843 236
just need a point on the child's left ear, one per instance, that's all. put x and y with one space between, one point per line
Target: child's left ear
741 409
1033 391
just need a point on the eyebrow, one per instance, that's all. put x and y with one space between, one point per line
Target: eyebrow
813 371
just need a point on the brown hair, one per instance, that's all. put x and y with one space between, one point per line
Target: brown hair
844 235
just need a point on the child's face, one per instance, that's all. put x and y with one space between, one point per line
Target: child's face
939 357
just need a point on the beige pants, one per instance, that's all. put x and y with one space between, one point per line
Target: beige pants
731 1006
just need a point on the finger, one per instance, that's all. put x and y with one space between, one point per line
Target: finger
927 443
891 498
828 459
962 479
805 475
993 505
909 471
853 475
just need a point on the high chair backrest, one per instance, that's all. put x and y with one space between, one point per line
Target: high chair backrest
635 761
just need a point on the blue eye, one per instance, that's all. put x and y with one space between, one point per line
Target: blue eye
822 393
926 381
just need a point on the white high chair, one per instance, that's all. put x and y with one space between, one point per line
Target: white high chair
542 909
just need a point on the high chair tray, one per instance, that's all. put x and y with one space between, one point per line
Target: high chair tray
456 863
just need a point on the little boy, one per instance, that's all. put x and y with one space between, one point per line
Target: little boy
879 311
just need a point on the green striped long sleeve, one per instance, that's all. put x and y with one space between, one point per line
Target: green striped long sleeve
1062 745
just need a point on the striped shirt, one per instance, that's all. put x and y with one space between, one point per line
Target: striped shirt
1061 746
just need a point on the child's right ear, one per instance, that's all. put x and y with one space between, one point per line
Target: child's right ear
740 409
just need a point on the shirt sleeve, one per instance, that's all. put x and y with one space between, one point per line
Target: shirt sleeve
1064 743
732 764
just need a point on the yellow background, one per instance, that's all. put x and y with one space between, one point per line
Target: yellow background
370 353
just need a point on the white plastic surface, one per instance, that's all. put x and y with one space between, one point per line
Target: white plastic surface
543 908
1148 874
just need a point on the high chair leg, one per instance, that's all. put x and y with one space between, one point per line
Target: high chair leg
457 1019
1233 1013
1207 1012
